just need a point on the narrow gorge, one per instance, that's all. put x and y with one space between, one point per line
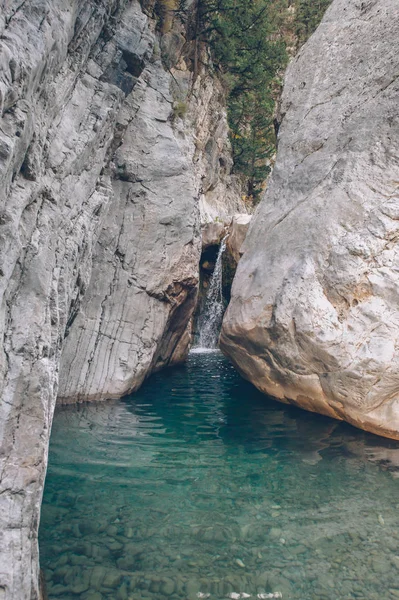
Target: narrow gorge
125 212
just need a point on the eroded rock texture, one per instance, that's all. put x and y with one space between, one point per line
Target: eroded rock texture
314 314
100 184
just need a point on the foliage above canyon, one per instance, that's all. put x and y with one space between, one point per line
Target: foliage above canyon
251 42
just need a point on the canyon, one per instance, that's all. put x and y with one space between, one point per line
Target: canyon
114 154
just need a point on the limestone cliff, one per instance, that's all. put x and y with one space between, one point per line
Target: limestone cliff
101 185
314 313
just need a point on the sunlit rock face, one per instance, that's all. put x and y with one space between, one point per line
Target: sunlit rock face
101 182
237 233
314 317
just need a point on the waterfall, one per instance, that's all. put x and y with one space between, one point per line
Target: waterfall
210 321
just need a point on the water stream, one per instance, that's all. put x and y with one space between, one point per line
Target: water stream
199 485
210 320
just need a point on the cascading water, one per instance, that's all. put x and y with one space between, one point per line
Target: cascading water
210 321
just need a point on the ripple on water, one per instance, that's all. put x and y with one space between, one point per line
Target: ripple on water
198 484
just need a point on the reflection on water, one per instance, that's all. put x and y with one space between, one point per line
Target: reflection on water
198 484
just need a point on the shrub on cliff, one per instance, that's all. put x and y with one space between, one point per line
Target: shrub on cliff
251 41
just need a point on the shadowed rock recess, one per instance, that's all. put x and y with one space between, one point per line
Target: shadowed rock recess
314 317
101 186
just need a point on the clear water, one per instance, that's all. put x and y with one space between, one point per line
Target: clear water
198 484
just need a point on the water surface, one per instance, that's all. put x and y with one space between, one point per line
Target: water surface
199 485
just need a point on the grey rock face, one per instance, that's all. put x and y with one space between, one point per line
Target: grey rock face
146 257
99 231
235 228
314 313
212 234
237 231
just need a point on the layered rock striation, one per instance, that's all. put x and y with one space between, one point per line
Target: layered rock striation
314 318
102 181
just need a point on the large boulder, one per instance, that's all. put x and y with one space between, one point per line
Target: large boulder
314 317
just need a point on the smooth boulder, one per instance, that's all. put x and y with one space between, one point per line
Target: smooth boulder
314 319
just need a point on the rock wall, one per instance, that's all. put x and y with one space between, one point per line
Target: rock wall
101 185
314 313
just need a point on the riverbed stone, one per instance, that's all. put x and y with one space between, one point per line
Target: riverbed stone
192 587
127 563
167 587
59 590
112 578
381 565
92 596
96 577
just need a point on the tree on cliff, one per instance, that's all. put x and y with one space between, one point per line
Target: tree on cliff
241 35
249 41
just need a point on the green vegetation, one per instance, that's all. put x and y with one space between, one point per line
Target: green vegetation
250 42
179 109
165 10
240 33
308 15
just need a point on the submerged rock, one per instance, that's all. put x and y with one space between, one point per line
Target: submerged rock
313 318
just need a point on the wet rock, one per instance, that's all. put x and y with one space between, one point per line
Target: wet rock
208 266
261 580
114 546
78 559
79 587
76 530
88 527
281 585
63 560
